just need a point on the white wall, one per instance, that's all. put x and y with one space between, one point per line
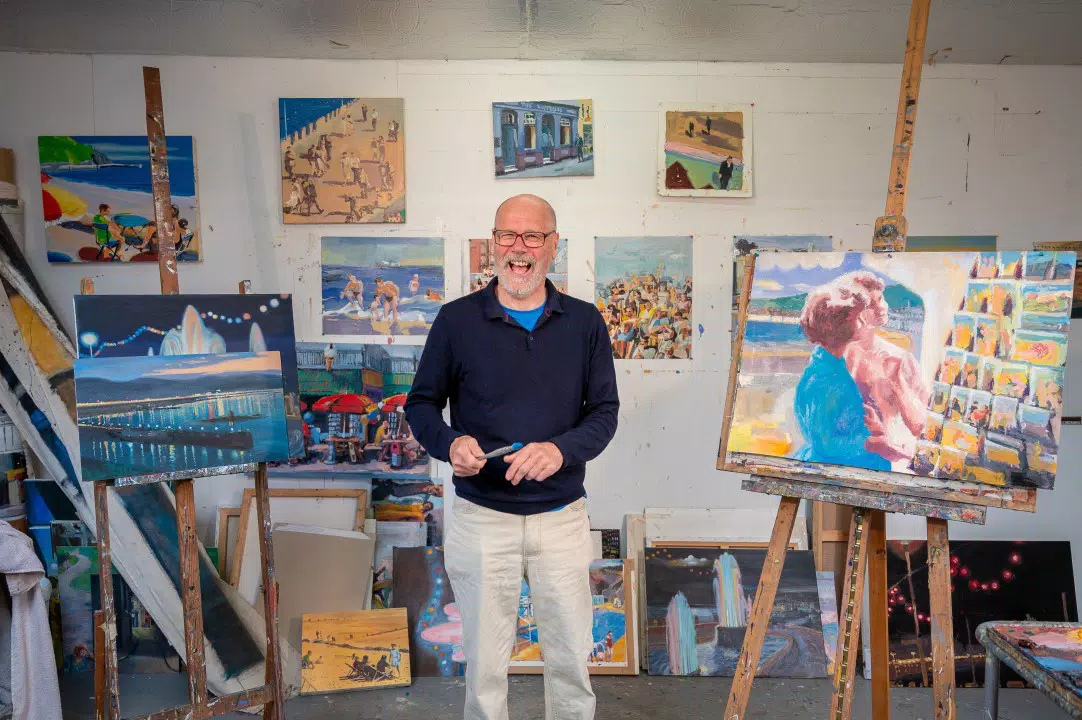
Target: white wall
997 151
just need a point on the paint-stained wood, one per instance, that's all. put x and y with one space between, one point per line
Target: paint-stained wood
876 521
190 595
99 665
849 606
829 490
939 583
274 709
159 180
734 364
998 645
759 619
218 706
108 609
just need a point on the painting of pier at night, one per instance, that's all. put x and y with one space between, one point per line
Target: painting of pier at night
161 417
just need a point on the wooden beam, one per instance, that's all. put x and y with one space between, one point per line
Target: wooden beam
877 605
159 180
273 709
190 595
217 706
108 608
845 664
939 583
734 364
99 665
759 619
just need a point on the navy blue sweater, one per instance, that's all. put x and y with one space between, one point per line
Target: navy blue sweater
505 384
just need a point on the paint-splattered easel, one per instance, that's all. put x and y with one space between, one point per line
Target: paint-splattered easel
867 529
270 695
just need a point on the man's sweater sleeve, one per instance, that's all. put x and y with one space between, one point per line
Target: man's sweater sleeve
430 391
601 408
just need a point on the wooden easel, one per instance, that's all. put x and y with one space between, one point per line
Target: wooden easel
867 529
270 695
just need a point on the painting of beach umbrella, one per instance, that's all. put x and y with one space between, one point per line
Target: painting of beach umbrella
98 204
344 403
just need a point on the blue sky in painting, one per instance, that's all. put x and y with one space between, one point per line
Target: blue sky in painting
620 256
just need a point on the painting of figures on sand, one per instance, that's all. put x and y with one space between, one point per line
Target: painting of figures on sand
990 581
351 399
138 325
435 631
98 202
381 286
939 366
698 603
643 290
354 651
482 265
543 139
614 651
178 416
706 151
343 160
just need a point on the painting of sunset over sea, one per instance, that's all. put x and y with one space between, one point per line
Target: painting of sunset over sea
178 415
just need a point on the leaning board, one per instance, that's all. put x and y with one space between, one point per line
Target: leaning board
935 377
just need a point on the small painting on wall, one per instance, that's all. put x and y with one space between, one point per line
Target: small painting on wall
543 139
706 151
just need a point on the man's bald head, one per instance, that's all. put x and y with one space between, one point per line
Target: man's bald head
525 203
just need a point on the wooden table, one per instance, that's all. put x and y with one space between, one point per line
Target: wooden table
1047 655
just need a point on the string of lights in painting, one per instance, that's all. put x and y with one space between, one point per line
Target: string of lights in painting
91 340
439 626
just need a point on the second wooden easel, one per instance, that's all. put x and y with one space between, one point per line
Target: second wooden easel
867 529
270 695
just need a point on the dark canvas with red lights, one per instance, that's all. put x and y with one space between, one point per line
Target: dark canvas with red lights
991 580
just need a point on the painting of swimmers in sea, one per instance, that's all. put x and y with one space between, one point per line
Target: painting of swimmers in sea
381 286
98 203
644 290
343 160
939 365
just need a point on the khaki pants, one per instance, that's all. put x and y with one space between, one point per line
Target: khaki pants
487 553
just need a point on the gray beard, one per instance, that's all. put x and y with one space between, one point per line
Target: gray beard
517 287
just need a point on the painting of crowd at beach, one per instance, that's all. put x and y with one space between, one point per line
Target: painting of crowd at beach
482 265
381 286
418 501
614 650
991 580
543 139
643 287
1058 650
98 202
178 416
343 160
353 423
137 325
698 601
706 151
435 631
354 650
944 366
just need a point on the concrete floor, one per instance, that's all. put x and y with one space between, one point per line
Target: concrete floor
632 698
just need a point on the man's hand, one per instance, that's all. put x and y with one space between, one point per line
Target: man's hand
536 461
467 457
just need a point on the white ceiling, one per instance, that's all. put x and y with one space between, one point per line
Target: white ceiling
976 31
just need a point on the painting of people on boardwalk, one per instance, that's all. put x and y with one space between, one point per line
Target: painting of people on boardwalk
644 294
98 203
355 650
706 151
343 160
381 286
543 139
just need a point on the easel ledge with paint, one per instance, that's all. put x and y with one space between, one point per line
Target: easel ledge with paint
107 693
870 497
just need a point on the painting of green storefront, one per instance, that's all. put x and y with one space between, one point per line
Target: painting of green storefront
543 139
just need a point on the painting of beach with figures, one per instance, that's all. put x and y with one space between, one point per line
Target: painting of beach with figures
381 285
706 151
98 203
944 370
343 160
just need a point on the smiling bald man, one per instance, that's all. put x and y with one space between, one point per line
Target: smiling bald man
519 362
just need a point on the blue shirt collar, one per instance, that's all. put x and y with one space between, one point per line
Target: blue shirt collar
494 310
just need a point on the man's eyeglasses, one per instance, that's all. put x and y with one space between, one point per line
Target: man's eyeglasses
532 239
